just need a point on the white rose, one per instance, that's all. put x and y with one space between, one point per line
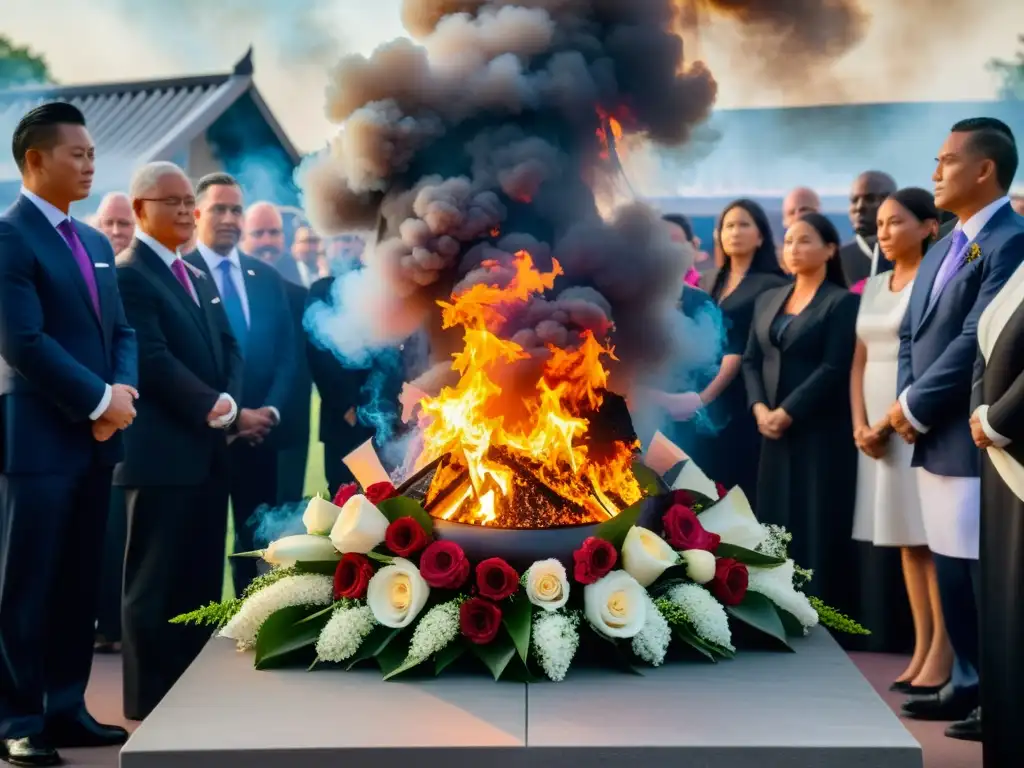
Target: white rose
547 585
360 526
645 555
291 549
733 520
700 565
692 478
397 593
319 516
616 606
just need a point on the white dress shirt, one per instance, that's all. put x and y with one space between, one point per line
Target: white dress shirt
971 228
56 217
168 257
213 261
304 274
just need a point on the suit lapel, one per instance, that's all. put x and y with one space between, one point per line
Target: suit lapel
771 354
107 303
162 274
209 297
798 324
256 288
922 291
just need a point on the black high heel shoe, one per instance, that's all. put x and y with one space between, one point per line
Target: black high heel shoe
908 688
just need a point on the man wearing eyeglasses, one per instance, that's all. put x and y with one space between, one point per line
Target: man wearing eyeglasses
175 472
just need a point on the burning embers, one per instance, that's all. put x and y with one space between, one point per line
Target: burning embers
513 437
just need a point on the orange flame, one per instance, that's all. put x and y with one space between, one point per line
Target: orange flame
608 123
478 421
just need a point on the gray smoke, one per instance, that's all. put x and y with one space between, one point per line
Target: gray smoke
481 139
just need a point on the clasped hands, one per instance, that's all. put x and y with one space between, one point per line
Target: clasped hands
873 441
772 423
981 439
120 412
254 424
901 424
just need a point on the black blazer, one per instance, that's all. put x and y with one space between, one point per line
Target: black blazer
1000 384
187 358
270 350
808 374
58 355
294 429
857 265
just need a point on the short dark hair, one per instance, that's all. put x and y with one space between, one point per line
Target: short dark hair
993 140
680 221
216 179
39 128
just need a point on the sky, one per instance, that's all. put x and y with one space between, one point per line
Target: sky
924 55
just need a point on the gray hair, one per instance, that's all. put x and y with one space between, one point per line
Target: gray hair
145 179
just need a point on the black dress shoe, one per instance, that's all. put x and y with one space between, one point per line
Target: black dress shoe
82 730
30 751
907 687
967 730
947 704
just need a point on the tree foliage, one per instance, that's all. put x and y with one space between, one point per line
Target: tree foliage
1010 73
20 66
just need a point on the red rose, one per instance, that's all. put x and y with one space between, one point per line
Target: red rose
379 492
352 576
722 490
593 560
730 582
479 620
443 565
684 531
496 579
685 498
405 537
345 493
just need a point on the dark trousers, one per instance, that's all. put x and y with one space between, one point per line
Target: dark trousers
174 563
291 473
253 484
51 537
959 582
108 608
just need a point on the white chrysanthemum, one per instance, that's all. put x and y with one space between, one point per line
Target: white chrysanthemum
438 627
776 543
706 614
777 585
555 638
651 644
302 589
344 633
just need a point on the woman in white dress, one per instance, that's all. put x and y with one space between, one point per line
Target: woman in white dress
888 506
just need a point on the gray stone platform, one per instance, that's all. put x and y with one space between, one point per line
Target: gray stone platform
811 709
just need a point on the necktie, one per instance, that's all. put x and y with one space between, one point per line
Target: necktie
70 235
233 304
950 264
181 273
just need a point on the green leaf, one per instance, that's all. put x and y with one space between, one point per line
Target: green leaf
393 656
747 556
321 567
374 643
325 612
256 554
687 637
380 558
615 529
405 666
650 482
495 655
449 655
285 637
793 626
403 506
758 612
518 617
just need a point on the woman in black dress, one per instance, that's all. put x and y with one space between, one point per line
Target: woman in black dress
726 442
797 371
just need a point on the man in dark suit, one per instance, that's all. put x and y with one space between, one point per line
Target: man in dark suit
254 299
938 343
67 383
175 472
863 258
293 434
997 426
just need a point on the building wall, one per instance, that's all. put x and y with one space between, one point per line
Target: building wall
201 159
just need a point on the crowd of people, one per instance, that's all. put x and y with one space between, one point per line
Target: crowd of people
155 365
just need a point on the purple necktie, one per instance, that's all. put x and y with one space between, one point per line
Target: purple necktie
70 235
181 272
950 264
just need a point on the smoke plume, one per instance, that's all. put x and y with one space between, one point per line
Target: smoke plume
485 137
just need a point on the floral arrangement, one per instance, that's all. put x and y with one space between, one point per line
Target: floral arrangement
370 581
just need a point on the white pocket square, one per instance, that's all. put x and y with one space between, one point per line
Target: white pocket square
215 300
101 265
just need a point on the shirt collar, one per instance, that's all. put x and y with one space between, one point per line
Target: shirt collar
973 226
53 214
213 259
167 256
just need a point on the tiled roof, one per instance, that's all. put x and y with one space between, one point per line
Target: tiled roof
133 123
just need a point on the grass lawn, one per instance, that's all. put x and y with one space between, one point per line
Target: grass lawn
316 480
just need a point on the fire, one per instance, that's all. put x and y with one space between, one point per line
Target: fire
609 134
501 446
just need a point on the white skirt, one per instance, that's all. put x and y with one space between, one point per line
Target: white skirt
888 508
952 514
